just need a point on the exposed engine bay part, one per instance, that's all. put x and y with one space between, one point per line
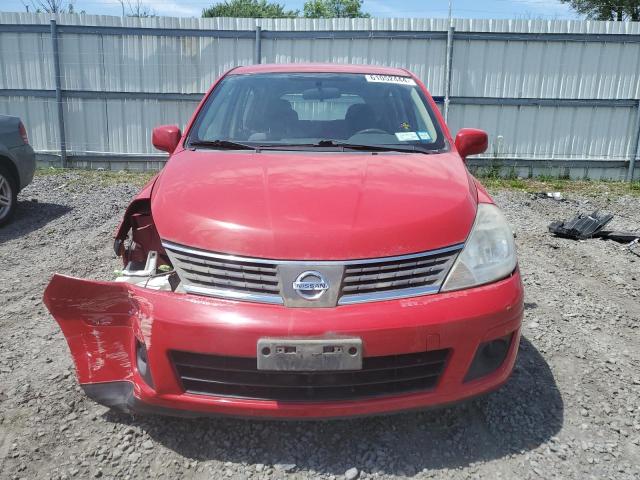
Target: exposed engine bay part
149 267
136 235
582 226
151 275
158 282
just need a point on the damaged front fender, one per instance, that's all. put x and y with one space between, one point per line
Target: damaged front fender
101 322
138 221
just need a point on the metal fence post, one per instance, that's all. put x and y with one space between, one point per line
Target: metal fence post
447 74
58 83
258 51
635 151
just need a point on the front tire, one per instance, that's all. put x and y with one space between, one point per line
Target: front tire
8 195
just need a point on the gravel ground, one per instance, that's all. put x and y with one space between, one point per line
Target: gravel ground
570 410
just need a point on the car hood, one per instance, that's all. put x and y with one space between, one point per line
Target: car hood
314 206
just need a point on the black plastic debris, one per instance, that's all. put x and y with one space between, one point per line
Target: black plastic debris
554 195
616 236
582 226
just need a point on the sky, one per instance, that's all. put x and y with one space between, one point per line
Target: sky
520 9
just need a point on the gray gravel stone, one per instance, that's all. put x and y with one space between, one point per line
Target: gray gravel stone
352 474
134 457
569 410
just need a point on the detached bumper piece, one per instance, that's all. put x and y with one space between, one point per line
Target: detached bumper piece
238 377
581 227
116 395
120 397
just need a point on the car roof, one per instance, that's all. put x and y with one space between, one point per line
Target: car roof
318 68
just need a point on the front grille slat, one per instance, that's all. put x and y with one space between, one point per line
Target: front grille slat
231 266
328 380
239 377
369 281
232 274
399 265
309 394
395 284
226 277
231 282
375 277
233 286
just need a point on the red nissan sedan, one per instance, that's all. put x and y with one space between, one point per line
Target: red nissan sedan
315 247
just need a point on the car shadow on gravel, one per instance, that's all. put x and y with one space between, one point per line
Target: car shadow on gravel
525 413
31 215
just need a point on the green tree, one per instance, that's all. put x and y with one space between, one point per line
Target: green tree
334 9
619 10
249 9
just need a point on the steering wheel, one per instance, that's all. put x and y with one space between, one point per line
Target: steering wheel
368 131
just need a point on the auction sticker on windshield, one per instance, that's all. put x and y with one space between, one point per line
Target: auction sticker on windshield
407 136
391 79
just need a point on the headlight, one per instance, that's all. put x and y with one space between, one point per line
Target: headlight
488 255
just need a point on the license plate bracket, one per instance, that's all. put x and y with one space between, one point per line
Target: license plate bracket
309 355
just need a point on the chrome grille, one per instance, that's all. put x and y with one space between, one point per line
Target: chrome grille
401 276
258 280
225 276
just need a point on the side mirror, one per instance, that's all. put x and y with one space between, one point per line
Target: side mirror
166 137
471 141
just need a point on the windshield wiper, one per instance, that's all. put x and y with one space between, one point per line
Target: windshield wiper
372 148
229 145
222 144
345 145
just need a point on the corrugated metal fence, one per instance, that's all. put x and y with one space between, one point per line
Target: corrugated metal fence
557 97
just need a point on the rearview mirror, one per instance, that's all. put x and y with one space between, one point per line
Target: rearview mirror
471 141
166 137
321 93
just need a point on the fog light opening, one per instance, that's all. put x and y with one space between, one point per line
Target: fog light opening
142 361
489 357
496 348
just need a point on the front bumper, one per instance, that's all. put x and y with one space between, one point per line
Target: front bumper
103 322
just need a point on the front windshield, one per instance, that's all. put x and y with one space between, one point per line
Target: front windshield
315 110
